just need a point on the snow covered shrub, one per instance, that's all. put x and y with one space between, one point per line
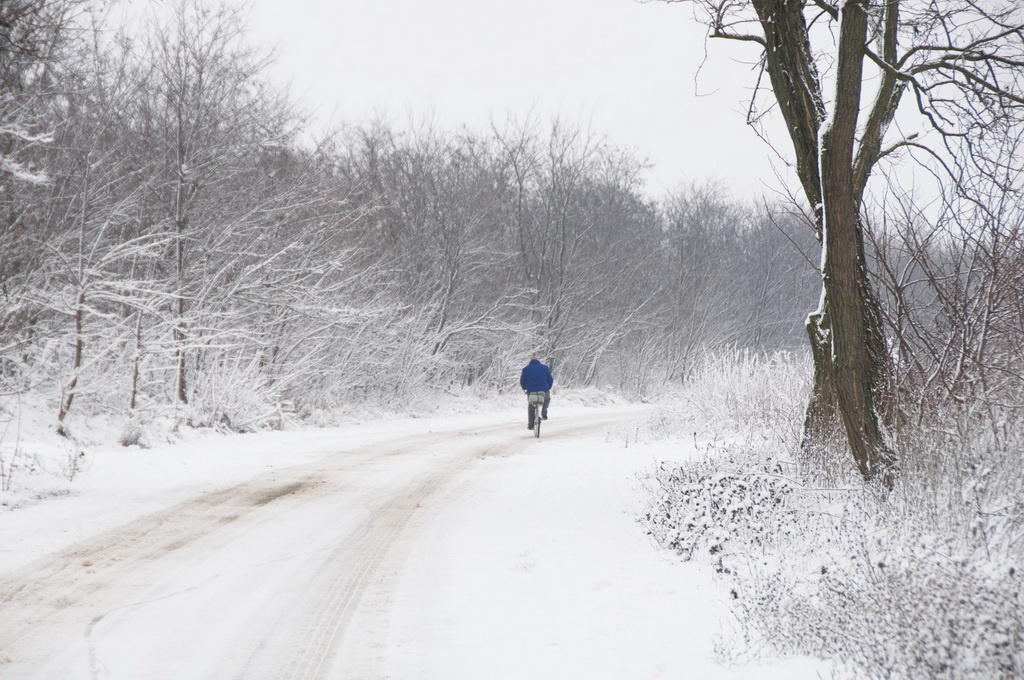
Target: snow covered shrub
965 467
74 463
896 611
922 581
757 398
131 435
736 498
8 465
232 396
730 503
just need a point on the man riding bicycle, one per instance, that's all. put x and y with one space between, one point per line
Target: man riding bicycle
536 377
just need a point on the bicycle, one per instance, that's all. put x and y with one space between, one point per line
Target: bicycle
536 402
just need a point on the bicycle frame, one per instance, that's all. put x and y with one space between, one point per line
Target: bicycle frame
536 401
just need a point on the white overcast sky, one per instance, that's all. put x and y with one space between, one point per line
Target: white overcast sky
624 68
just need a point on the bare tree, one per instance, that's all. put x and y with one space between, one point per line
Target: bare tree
37 42
573 206
953 288
960 61
202 111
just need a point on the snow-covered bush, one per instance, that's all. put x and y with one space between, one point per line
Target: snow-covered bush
919 582
756 398
131 435
733 502
232 396
893 611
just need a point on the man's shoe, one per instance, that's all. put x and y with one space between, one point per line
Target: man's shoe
529 426
543 416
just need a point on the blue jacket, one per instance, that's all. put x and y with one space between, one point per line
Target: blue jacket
536 377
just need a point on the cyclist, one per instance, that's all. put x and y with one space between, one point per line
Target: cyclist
536 377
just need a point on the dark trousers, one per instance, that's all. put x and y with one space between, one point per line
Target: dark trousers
543 410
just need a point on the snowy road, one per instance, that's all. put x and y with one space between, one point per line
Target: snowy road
461 553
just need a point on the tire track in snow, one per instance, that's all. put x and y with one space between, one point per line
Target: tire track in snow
72 595
74 587
353 566
383 542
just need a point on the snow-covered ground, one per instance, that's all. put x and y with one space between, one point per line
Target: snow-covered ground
444 547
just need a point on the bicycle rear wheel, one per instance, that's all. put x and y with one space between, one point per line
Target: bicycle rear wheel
536 420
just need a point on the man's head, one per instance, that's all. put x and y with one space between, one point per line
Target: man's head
535 355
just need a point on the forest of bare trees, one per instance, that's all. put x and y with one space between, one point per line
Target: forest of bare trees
173 241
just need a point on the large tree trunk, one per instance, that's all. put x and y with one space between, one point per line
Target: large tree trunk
821 419
795 82
858 359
